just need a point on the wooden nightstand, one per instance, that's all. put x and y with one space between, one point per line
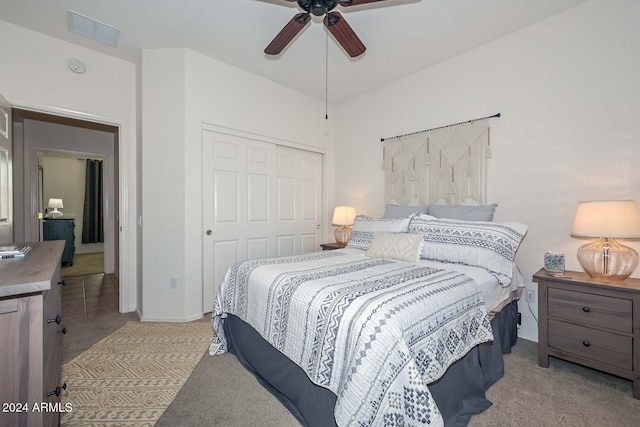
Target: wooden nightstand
61 229
593 322
331 246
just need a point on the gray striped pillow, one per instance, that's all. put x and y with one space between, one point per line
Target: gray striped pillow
489 245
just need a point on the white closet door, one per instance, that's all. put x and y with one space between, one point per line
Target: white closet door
259 200
299 189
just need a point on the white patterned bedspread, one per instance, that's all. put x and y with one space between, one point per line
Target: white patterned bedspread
376 332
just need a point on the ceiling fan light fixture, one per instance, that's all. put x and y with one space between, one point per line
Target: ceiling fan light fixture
333 21
321 7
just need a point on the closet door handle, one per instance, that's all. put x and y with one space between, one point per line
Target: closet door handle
208 232
586 309
586 343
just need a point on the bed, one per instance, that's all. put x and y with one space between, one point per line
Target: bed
405 326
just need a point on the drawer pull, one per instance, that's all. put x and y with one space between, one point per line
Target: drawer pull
63 331
58 390
586 343
57 320
586 309
62 282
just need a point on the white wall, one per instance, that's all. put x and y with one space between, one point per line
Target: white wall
34 75
163 183
568 89
182 90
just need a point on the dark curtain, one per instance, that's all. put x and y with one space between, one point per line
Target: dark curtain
93 223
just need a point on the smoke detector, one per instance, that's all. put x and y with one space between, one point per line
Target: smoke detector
76 66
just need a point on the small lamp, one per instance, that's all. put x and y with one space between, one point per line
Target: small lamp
344 217
607 220
55 204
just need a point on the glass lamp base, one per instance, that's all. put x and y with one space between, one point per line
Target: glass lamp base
608 259
342 234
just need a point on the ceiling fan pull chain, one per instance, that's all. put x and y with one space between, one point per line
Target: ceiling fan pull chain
326 77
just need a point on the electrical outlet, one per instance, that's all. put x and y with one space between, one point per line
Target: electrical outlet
173 283
530 295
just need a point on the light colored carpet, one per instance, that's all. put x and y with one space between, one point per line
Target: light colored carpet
131 376
221 393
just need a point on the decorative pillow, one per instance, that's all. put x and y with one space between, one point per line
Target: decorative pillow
468 213
488 245
397 211
401 246
364 227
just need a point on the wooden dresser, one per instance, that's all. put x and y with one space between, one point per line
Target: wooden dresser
30 331
593 322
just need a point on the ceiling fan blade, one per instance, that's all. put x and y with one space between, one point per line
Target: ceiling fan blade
348 3
338 26
287 34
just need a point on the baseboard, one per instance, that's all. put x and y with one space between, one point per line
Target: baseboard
169 319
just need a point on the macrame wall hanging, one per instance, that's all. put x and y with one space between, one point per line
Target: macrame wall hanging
445 165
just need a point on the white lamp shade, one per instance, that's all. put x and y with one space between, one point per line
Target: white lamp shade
344 215
55 203
618 219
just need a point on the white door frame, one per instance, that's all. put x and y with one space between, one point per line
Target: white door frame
127 259
6 227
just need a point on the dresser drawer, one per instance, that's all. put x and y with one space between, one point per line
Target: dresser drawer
51 311
605 347
51 371
589 309
51 381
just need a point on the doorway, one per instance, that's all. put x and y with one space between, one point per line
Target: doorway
47 138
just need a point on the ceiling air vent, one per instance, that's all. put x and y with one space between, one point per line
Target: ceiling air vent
92 29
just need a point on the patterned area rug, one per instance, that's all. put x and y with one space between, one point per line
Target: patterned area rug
130 377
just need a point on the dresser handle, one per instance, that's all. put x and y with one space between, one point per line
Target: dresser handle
62 282
586 309
58 390
586 343
63 331
57 320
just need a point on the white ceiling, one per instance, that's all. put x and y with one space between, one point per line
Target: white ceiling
402 36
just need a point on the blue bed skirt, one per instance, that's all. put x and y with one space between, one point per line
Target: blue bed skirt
459 394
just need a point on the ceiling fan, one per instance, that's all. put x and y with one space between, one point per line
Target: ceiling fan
334 21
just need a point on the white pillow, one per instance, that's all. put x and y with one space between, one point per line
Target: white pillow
400 246
488 245
364 227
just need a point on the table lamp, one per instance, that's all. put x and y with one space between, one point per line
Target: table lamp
55 204
607 220
344 217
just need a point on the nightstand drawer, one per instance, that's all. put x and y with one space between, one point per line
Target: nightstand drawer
596 310
605 347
